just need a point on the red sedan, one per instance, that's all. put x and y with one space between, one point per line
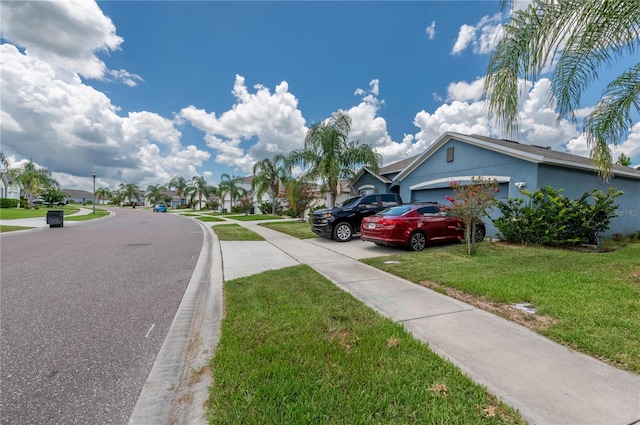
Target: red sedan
414 226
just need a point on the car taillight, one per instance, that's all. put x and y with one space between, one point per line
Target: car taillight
390 221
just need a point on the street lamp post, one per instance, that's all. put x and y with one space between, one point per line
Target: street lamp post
94 192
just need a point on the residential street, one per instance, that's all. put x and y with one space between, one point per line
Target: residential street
85 309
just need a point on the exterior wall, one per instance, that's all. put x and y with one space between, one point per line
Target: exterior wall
430 181
576 182
367 181
11 191
468 160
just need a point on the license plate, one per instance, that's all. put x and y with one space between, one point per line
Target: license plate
372 225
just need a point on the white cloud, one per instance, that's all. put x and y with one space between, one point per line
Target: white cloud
74 129
464 91
490 33
461 117
431 30
366 126
65 34
273 119
466 34
630 147
483 37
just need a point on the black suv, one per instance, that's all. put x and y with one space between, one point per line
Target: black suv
341 222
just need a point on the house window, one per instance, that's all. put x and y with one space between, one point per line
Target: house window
450 154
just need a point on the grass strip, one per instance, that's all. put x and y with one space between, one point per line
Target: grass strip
4 228
295 349
254 217
84 217
298 229
235 232
207 218
592 299
17 213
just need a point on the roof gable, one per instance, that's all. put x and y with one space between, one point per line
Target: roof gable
530 153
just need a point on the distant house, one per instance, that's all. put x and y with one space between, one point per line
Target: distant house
78 196
459 157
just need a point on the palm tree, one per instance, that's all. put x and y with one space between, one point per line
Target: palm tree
270 174
330 156
131 191
34 179
578 38
117 197
155 193
180 185
200 188
103 193
229 186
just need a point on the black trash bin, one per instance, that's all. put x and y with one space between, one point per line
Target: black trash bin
55 218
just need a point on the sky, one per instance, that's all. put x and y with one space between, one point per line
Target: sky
142 91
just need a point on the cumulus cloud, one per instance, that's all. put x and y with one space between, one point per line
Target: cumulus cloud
366 125
464 91
59 121
482 37
65 34
272 120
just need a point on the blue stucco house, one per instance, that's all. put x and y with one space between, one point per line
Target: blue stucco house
460 157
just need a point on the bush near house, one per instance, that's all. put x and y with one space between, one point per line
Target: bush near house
8 203
548 218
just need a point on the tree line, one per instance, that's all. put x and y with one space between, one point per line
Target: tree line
327 157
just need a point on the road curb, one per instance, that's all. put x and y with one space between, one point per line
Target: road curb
176 388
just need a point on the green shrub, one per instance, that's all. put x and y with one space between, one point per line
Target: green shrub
548 218
8 203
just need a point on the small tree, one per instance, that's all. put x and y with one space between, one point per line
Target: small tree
300 196
470 203
245 204
52 195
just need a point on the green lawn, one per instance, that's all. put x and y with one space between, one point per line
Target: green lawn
16 213
84 217
298 229
205 217
4 228
235 232
295 349
591 301
254 217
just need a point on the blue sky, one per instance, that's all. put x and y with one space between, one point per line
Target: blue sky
141 91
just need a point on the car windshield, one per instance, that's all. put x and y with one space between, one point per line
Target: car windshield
395 211
349 202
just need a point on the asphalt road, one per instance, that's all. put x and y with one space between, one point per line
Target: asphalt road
84 310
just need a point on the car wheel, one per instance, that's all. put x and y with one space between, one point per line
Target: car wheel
417 241
481 232
342 232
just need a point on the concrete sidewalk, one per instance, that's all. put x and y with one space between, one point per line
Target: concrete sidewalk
547 382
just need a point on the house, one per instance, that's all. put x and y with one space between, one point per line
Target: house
10 187
79 196
459 157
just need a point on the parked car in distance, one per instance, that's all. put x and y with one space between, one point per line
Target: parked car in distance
341 222
415 226
160 208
